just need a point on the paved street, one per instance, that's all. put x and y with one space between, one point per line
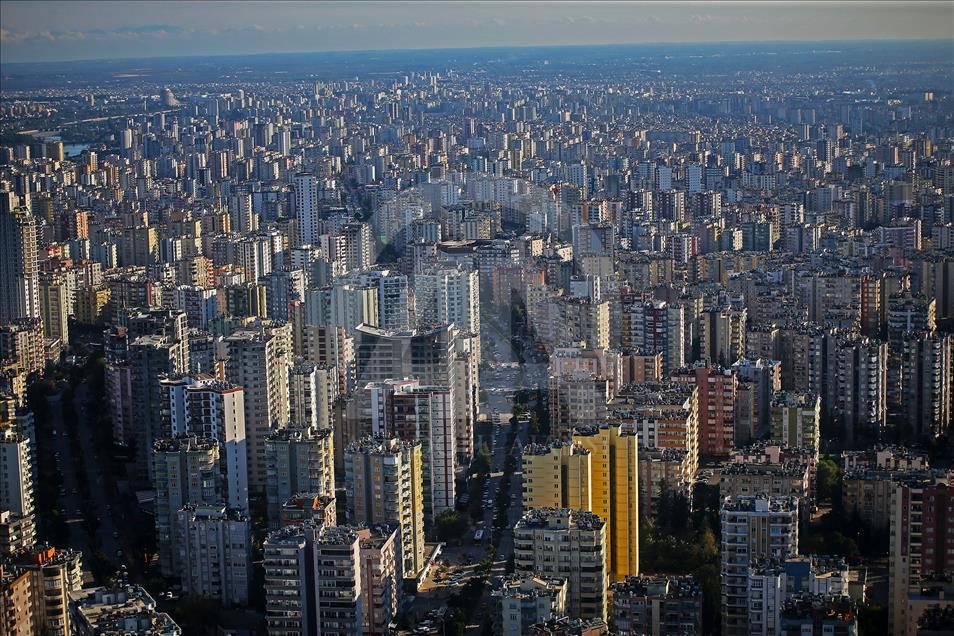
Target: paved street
102 492
501 376
68 499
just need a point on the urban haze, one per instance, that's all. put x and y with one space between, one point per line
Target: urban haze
413 318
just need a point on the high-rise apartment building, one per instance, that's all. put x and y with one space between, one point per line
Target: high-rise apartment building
921 546
529 600
445 296
566 544
759 380
338 590
21 343
872 310
139 246
802 353
385 481
16 473
297 461
214 546
149 358
614 493
357 249
572 319
394 297
857 386
313 582
664 415
577 398
663 469
722 335
385 355
16 607
925 390
258 362
186 472
289 581
657 605
596 472
796 419
413 412
717 405
55 307
656 327
381 577
17 532
557 475
437 357
19 272
753 527
281 288
91 304
53 573
306 209
213 409
312 391
343 304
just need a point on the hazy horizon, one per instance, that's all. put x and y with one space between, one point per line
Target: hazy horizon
34 31
521 47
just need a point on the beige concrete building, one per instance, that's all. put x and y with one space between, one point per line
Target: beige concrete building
16 609
385 484
637 367
91 303
657 606
795 419
790 479
660 468
54 573
570 545
258 361
528 600
381 577
297 461
55 307
662 414
16 532
21 343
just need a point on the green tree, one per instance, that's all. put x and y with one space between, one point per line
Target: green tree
450 526
481 463
828 477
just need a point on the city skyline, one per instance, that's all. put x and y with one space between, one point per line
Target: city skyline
555 329
33 32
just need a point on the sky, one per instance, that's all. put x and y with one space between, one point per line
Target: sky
55 31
